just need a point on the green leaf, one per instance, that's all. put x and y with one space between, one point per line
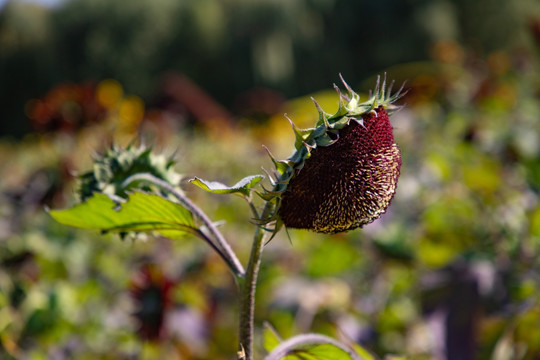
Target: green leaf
142 212
242 187
319 352
364 354
312 347
271 339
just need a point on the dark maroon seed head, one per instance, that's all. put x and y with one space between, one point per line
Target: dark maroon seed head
347 184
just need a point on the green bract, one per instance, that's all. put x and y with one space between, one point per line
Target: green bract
111 169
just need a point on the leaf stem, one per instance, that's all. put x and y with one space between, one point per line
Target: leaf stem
252 206
226 251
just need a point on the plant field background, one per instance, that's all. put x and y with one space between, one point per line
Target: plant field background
451 271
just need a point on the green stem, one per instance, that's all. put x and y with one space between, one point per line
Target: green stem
224 248
247 287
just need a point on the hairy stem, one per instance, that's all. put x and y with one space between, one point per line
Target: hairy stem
224 248
248 286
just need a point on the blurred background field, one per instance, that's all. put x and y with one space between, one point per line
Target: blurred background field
451 271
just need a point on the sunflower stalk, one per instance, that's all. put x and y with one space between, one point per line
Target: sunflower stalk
248 286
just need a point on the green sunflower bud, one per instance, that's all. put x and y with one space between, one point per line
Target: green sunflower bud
117 164
344 172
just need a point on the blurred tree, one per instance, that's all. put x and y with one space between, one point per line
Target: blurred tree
27 62
230 46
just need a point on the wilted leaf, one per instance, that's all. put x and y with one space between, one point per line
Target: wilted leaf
141 213
242 186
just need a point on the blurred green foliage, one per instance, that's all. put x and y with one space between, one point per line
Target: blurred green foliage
453 267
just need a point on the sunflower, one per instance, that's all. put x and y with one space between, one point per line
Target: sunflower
344 171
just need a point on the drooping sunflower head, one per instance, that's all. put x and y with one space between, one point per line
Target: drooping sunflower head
344 171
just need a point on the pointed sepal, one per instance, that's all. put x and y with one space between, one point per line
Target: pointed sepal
327 139
300 135
323 117
281 165
342 107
